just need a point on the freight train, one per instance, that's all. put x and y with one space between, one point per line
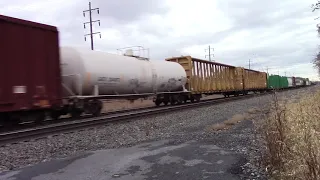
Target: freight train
40 78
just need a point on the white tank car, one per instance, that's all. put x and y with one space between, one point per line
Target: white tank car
290 81
116 74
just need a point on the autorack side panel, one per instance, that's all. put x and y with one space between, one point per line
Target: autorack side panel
30 66
207 77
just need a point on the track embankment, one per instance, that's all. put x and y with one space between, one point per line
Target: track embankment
181 124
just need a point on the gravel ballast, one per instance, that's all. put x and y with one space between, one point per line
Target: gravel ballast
184 125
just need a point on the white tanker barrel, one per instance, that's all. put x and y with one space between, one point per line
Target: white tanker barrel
116 74
170 76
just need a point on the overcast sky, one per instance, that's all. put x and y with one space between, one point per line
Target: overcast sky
280 35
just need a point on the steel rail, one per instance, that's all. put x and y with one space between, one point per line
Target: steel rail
64 127
52 129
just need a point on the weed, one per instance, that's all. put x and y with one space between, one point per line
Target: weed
291 137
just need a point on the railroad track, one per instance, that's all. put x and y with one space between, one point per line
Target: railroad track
31 124
67 126
64 127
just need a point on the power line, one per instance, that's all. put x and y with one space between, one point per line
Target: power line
90 22
209 53
268 70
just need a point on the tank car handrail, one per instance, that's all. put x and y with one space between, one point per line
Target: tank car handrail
126 95
68 89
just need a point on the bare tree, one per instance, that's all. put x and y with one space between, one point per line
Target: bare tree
316 60
315 6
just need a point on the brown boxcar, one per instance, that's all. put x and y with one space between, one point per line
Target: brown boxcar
206 77
29 66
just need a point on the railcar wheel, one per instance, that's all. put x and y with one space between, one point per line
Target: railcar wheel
10 121
2 120
55 115
165 103
172 102
76 113
178 99
96 107
183 99
39 117
157 102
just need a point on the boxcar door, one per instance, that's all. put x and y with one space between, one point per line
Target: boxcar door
5 69
2 67
3 84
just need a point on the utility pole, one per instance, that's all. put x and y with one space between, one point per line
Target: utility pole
90 22
249 63
209 53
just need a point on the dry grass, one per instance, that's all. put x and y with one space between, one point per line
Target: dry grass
253 111
291 135
217 127
235 119
232 121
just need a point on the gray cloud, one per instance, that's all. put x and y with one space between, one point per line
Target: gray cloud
278 33
262 14
113 15
124 11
